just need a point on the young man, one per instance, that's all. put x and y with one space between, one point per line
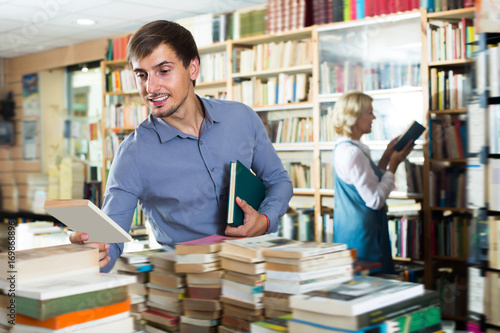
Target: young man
176 163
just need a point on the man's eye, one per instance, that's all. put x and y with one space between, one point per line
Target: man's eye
140 75
164 71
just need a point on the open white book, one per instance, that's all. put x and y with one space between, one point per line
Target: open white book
83 216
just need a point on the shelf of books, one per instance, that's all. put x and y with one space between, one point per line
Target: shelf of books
483 189
447 73
358 55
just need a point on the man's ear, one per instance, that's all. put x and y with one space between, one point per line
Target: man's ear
194 69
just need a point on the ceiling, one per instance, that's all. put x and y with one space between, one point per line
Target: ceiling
31 26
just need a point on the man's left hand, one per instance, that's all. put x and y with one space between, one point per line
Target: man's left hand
254 223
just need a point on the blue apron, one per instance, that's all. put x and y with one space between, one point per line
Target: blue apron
359 226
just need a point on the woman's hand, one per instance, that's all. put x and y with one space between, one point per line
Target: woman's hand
399 156
386 156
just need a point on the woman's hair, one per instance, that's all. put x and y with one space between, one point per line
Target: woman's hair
145 40
349 107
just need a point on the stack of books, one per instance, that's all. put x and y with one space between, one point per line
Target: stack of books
366 303
199 260
138 265
166 289
242 286
301 267
59 288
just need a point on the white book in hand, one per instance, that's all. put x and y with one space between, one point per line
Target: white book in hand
83 216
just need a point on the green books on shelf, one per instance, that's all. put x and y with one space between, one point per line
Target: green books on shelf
411 134
244 184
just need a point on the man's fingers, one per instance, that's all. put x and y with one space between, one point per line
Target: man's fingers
104 262
100 246
78 237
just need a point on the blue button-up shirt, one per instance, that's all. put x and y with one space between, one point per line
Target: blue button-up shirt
181 181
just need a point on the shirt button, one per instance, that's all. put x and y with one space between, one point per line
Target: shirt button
213 169
201 142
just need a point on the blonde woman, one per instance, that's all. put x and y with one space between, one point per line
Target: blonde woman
361 186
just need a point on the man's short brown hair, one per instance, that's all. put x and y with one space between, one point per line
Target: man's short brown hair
145 40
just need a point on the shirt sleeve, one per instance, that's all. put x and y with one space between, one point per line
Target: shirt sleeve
120 203
268 166
356 169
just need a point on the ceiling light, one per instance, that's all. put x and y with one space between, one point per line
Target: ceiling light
85 22
85 69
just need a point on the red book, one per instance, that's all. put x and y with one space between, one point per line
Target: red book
391 7
468 3
368 8
353 10
209 292
161 318
457 124
382 5
375 7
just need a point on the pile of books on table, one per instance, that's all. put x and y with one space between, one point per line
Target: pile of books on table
200 261
366 303
60 289
166 289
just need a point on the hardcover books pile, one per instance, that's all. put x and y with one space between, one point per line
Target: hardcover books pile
366 303
199 260
138 265
60 289
242 286
301 267
166 288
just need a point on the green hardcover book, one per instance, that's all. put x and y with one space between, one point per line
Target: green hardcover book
44 309
244 184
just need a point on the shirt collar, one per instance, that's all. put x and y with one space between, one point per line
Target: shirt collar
167 132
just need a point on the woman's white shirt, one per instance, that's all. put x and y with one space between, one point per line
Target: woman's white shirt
353 167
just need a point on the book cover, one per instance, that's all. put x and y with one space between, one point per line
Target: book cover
300 250
44 262
83 216
68 285
253 246
118 323
411 134
377 316
244 184
356 296
77 317
45 309
202 245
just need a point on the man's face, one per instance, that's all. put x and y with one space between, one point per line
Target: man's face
163 82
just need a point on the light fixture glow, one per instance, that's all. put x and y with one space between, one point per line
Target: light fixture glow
85 22
85 69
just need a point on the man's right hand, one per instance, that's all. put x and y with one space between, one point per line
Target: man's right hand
80 237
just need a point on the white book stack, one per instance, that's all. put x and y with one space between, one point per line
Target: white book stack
60 289
300 268
200 261
242 286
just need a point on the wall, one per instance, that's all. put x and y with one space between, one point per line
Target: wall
50 67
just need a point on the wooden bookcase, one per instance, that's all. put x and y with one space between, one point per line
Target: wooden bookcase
447 88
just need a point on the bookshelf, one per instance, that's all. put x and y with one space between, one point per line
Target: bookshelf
483 165
447 70
369 55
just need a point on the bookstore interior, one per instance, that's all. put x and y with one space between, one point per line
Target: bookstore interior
65 109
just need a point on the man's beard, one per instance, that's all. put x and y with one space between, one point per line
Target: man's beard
159 113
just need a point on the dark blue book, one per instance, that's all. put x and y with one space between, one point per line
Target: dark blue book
411 134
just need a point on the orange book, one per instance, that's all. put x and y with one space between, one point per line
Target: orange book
77 317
